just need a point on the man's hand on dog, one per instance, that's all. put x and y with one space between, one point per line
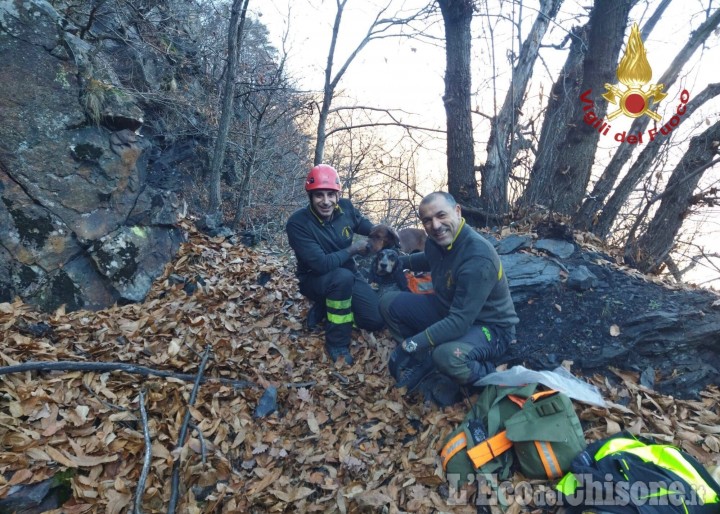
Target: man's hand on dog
360 248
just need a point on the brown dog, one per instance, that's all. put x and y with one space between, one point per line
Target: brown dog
382 236
412 240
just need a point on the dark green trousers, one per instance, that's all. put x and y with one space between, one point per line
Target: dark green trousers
465 359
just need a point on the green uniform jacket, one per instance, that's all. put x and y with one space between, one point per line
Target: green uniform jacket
469 280
322 246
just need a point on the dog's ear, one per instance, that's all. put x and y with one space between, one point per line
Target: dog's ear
401 280
393 238
387 235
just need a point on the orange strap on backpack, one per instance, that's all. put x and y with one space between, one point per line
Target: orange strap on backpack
487 450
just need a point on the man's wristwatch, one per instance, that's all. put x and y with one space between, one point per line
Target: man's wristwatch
409 345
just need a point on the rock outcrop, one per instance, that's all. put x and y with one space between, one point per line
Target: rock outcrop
81 224
577 305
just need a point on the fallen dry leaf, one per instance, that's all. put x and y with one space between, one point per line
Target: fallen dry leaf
613 427
345 440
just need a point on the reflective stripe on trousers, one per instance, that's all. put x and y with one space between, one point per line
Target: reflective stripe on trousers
339 311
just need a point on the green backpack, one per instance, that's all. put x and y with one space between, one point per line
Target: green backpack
541 428
627 474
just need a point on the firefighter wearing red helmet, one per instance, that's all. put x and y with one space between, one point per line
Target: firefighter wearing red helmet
321 235
322 176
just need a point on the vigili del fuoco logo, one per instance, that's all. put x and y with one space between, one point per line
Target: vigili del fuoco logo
632 98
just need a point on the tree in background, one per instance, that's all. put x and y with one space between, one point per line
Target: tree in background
561 173
564 153
650 249
457 15
380 28
503 143
585 217
235 35
379 173
641 168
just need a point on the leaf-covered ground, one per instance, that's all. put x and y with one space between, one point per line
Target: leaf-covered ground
342 439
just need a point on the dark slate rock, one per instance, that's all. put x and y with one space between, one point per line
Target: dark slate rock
551 229
27 498
529 274
132 257
267 403
493 240
175 279
190 288
212 225
512 243
581 279
647 378
556 247
68 184
41 329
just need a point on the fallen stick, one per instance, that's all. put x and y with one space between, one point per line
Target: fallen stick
115 366
146 458
175 483
201 438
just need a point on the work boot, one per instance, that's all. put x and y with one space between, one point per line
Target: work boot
441 389
316 315
335 352
399 360
411 376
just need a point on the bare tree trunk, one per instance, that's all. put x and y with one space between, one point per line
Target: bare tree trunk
652 21
593 202
562 106
247 167
377 30
252 149
457 15
501 150
560 181
641 167
237 19
329 86
649 251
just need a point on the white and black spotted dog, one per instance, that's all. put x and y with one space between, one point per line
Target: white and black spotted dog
386 274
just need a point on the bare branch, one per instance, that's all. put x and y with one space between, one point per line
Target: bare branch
175 483
201 438
147 455
652 21
115 366
383 124
376 30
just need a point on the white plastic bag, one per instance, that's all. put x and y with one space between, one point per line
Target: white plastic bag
559 379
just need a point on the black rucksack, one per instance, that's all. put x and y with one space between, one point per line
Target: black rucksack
627 474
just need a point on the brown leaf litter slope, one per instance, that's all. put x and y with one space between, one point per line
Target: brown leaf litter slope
341 440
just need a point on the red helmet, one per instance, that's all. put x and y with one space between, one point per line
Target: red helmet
322 176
